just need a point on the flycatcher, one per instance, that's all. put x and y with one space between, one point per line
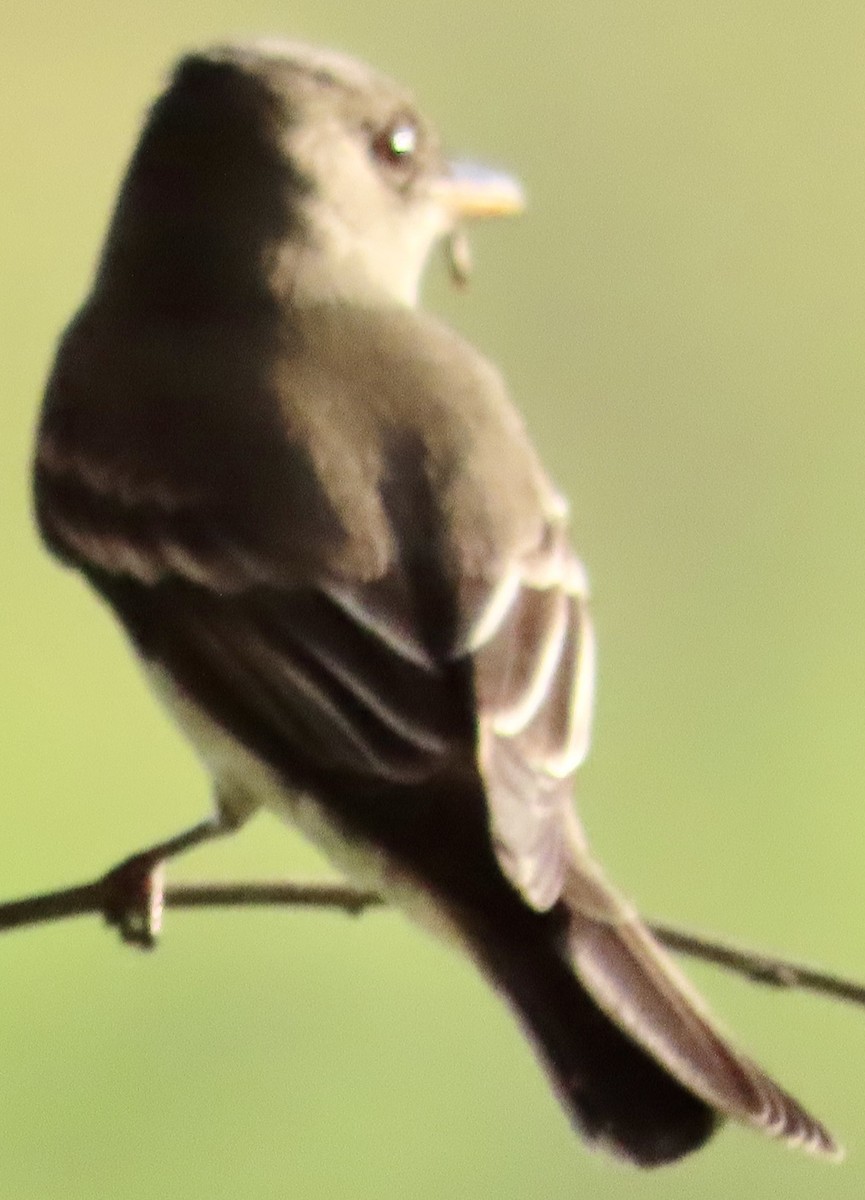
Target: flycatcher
325 530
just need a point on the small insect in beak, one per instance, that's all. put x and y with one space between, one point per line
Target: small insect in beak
458 254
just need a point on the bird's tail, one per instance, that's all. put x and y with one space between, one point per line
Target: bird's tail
638 1064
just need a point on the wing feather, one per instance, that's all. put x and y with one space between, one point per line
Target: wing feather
534 683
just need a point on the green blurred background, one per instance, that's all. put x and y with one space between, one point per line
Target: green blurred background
680 314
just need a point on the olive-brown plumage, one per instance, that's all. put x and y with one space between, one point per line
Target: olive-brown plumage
331 542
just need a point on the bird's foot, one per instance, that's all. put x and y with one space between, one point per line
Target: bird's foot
134 899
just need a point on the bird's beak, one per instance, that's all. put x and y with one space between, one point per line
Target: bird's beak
468 190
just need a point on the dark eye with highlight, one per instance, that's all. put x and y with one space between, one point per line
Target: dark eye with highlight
397 144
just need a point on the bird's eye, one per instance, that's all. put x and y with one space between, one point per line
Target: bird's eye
397 143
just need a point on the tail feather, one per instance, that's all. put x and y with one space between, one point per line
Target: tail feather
616 1093
632 1053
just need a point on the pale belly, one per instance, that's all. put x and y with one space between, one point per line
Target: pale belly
243 784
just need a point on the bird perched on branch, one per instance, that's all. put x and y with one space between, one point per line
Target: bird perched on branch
325 530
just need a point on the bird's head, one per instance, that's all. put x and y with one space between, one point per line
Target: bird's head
299 169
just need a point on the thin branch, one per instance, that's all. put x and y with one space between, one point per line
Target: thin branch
99 896
94 898
286 893
78 901
760 968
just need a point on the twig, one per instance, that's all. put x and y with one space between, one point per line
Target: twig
78 901
759 968
92 898
289 894
97 896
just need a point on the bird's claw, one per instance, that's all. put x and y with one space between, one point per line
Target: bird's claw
134 900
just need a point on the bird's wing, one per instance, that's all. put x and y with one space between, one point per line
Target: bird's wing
174 538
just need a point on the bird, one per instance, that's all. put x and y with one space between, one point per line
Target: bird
324 528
